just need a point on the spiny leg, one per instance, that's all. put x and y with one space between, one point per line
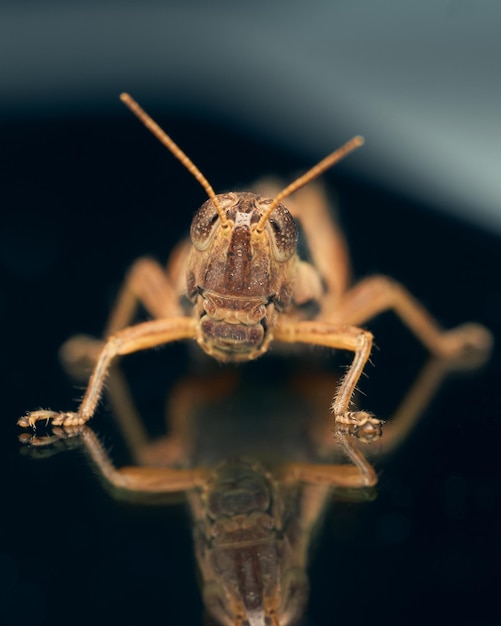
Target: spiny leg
316 386
380 293
126 341
343 338
403 419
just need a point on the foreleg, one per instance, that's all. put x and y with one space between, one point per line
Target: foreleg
126 341
343 338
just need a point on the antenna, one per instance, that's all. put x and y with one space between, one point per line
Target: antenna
162 136
310 175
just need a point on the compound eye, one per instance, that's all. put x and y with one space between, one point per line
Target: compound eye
284 233
206 221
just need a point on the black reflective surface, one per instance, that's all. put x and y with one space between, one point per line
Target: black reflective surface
81 200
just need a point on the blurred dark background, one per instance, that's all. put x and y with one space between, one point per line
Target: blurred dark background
249 90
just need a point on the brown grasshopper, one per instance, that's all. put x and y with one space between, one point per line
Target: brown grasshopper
240 284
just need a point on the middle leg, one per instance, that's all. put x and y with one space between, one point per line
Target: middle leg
148 284
380 293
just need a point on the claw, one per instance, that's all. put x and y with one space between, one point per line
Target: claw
47 445
56 419
30 419
360 424
371 431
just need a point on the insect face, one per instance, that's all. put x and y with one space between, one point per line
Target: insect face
240 273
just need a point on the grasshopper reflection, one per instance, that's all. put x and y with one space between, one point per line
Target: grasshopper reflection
256 486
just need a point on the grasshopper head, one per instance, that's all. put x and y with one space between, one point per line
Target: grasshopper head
240 274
